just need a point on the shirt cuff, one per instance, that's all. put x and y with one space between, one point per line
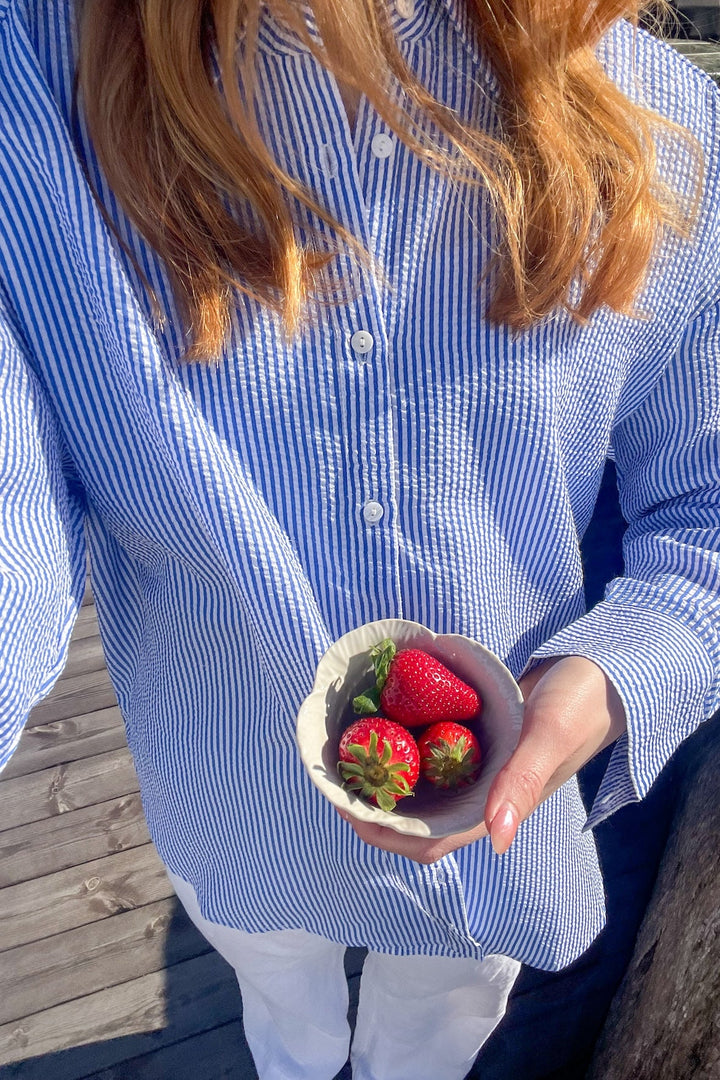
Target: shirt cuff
664 676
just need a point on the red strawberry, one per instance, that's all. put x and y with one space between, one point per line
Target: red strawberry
449 755
414 689
379 760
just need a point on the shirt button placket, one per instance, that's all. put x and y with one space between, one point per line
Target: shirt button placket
362 342
373 512
382 145
369 379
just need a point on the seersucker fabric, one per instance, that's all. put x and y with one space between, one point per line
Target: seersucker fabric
401 458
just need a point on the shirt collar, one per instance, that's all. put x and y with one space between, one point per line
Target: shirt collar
412 20
457 12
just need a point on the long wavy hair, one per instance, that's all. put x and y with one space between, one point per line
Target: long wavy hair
169 99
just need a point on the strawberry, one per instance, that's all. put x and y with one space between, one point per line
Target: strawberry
414 689
449 755
379 760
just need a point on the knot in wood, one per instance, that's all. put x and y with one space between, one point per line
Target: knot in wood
20 1037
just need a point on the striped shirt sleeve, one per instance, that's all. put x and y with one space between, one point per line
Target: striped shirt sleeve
42 556
657 632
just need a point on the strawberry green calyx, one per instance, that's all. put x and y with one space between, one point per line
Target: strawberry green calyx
373 775
382 655
450 763
451 766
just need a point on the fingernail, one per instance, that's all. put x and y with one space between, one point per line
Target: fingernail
503 828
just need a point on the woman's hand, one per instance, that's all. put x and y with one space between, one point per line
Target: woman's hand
418 848
572 712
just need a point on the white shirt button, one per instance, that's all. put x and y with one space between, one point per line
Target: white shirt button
372 512
362 341
405 8
382 145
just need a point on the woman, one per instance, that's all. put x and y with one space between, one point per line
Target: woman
317 314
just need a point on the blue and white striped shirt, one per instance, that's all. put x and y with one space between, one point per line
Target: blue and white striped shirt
242 516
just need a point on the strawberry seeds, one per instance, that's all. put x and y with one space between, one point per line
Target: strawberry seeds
379 757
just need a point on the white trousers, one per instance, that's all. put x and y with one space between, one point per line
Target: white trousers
419 1017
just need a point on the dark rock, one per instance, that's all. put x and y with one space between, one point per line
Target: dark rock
665 1019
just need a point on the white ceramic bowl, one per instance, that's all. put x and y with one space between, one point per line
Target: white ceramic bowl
346 669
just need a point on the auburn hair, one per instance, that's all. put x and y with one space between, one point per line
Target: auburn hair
168 95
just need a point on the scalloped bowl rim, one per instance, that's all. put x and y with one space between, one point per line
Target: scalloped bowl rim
326 711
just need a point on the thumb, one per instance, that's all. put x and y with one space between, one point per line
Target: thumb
517 790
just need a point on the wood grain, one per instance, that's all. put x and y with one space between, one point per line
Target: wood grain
66 787
75 695
53 844
46 973
87 655
85 623
122 1022
77 737
220 1054
84 894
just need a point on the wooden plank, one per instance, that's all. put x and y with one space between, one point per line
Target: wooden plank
45 847
86 624
705 54
47 745
81 895
74 695
72 1040
86 654
88 597
46 973
66 787
220 1054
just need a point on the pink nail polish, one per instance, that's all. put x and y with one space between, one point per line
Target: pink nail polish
503 829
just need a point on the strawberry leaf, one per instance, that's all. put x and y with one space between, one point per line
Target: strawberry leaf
384 800
367 703
348 770
382 656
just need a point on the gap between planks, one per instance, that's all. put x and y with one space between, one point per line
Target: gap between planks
64 741
94 957
42 848
97 965
122 1022
38 909
67 787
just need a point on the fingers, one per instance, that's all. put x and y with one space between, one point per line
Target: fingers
571 713
516 791
420 849
519 786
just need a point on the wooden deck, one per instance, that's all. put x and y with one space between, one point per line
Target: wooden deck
705 54
102 976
